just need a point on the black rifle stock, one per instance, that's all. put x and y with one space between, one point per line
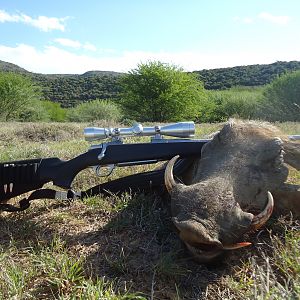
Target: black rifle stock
19 177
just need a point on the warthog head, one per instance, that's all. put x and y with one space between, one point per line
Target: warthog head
230 188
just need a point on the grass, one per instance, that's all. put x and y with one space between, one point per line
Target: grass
125 247
273 273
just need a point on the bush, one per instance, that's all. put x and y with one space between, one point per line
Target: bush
33 111
37 110
94 110
159 92
282 99
236 102
54 110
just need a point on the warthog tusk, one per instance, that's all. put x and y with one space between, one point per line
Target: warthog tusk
236 246
260 219
169 178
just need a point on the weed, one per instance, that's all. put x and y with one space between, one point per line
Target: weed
119 264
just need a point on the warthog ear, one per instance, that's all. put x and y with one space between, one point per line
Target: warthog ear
194 233
292 154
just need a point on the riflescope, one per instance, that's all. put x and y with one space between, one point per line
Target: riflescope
181 130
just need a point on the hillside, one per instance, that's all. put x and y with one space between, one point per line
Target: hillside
253 75
69 89
9 67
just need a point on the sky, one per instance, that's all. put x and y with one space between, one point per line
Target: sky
67 37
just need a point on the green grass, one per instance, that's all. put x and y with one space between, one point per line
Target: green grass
51 272
274 272
125 247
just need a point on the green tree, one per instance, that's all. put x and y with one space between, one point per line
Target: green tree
16 93
161 92
282 99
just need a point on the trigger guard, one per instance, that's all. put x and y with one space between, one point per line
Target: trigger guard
99 172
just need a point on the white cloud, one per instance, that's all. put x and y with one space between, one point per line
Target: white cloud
56 60
75 44
5 17
246 20
41 22
68 43
280 20
89 46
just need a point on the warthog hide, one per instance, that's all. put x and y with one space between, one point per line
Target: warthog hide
228 192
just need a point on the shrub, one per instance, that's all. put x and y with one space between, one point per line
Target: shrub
94 110
236 102
282 99
33 111
54 110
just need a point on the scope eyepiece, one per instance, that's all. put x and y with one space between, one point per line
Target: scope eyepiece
181 129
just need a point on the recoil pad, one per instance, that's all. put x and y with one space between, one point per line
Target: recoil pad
18 177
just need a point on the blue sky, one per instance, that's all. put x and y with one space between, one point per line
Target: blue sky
76 36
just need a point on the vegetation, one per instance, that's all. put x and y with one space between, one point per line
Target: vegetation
20 99
253 75
95 110
70 89
239 102
17 93
282 99
152 92
124 246
34 111
161 92
43 111
278 101
55 113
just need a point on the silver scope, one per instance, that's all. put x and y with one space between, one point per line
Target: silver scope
181 129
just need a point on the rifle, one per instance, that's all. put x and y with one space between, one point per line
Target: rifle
19 177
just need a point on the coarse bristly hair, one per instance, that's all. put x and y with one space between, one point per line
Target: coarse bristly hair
260 128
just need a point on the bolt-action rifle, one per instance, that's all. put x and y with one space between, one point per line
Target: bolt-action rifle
19 177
